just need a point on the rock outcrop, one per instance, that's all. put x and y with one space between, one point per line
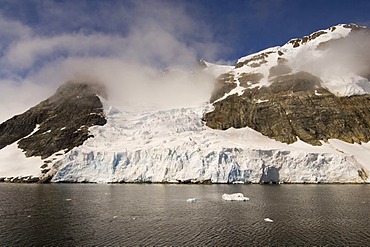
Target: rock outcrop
295 106
63 121
278 97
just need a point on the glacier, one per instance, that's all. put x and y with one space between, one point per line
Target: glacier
175 146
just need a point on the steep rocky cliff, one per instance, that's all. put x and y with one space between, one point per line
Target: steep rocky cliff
277 99
295 106
60 122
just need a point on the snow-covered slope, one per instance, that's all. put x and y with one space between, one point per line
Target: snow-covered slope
216 69
309 54
158 144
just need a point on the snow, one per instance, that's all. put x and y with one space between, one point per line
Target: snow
216 69
304 58
34 131
346 85
235 197
13 163
258 101
268 220
175 145
192 200
271 49
238 90
264 68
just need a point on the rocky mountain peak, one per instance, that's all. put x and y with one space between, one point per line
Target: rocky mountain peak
58 123
81 88
275 93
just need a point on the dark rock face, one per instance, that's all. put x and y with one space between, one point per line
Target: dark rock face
247 79
63 121
295 106
224 84
305 39
280 69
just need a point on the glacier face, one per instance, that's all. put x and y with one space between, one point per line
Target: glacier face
175 146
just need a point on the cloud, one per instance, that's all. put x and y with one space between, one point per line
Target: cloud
11 31
156 35
26 52
338 56
16 97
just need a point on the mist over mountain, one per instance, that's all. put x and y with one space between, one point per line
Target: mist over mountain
296 113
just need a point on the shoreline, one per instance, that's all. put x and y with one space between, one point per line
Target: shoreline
37 180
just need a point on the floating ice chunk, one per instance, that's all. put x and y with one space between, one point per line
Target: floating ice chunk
192 200
114 217
268 220
234 197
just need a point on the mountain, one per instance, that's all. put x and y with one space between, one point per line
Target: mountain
276 97
298 113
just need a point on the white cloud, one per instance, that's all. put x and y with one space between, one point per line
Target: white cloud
159 35
13 29
26 52
16 98
343 56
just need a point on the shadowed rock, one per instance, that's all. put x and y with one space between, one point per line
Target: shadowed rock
224 84
63 120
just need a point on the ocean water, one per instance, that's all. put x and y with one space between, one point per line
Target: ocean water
159 214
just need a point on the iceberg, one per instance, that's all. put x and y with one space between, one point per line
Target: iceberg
235 197
268 220
192 200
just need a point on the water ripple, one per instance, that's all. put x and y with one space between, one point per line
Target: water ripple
111 215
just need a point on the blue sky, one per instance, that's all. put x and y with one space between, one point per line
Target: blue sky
249 26
44 43
239 26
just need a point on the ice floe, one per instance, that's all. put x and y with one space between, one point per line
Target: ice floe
192 200
234 197
268 220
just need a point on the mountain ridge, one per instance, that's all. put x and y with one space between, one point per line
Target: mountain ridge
268 121
45 128
291 105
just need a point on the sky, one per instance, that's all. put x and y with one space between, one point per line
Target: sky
45 43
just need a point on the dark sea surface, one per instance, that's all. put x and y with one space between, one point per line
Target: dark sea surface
158 214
